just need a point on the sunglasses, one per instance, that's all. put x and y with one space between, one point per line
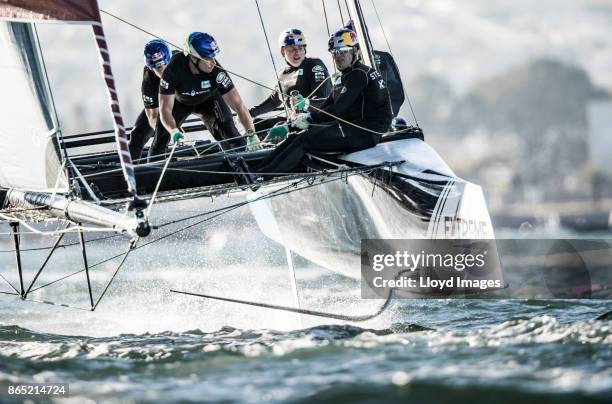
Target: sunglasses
195 60
340 51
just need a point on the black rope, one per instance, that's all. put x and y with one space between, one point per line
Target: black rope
340 10
263 27
229 208
131 248
221 211
289 188
180 48
63 245
10 284
326 19
382 27
348 10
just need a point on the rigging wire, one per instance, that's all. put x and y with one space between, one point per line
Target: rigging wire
180 48
161 178
127 253
289 188
340 10
326 19
382 27
63 245
228 209
328 35
263 27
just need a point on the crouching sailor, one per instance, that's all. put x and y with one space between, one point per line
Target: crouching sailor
193 82
303 76
156 56
354 116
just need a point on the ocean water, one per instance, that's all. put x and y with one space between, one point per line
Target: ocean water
146 344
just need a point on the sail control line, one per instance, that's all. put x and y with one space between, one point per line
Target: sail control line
87 12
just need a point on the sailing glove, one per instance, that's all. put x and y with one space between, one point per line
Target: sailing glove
175 136
277 132
297 102
253 143
302 121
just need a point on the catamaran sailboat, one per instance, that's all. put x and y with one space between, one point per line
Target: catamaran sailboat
399 189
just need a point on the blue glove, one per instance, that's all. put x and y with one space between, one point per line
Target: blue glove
175 136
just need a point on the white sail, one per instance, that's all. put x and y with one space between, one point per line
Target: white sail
29 156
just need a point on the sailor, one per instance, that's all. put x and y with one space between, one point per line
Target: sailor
195 83
302 77
353 117
156 57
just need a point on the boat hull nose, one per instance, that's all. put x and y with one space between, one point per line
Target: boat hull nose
326 222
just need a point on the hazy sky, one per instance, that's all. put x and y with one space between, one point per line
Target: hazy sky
463 41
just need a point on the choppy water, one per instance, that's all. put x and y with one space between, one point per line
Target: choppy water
145 344
478 351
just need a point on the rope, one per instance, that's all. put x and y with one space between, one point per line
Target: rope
340 10
61 246
180 47
127 253
289 188
208 147
161 178
382 27
346 122
326 20
263 27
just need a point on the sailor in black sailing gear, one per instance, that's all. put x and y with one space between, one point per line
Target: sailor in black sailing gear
156 56
353 117
302 77
194 83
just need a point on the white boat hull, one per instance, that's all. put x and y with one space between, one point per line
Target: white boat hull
423 199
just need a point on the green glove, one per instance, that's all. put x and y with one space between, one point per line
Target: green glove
278 132
175 136
253 143
297 102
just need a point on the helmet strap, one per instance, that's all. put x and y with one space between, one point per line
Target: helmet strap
196 65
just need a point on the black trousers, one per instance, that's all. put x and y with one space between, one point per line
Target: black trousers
331 139
140 135
216 116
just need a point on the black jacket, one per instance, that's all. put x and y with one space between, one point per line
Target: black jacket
311 76
360 97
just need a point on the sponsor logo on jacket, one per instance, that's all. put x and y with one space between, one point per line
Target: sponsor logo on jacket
223 79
